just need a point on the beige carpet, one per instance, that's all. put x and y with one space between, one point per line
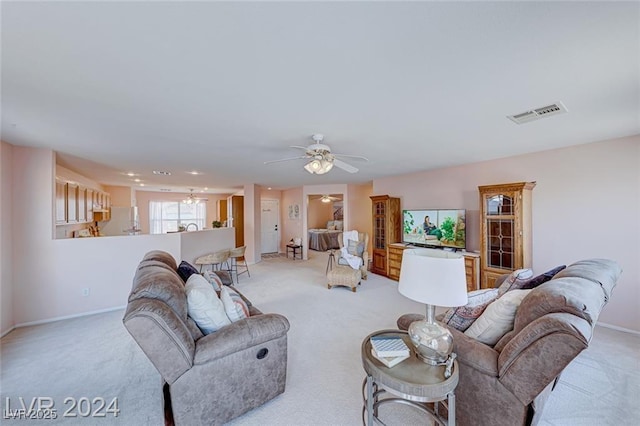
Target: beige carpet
95 357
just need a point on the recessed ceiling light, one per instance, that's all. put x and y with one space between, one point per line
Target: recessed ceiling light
142 184
130 174
194 172
161 172
205 188
269 188
136 180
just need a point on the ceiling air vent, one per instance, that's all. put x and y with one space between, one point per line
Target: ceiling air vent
538 113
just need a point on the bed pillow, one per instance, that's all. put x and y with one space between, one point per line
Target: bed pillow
462 317
497 319
204 306
235 308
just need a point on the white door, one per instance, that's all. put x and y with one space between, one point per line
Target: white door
270 225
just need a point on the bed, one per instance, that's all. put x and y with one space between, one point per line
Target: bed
325 239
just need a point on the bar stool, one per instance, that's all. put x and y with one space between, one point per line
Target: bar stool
216 260
237 255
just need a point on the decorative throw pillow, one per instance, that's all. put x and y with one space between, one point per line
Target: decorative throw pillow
497 319
462 317
203 305
515 280
352 248
213 279
234 306
185 270
542 278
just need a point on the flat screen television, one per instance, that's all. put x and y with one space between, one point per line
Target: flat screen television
434 228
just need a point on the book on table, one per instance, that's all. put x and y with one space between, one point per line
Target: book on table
389 361
388 347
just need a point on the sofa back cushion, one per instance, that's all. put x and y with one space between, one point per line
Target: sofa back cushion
604 272
157 281
582 289
161 256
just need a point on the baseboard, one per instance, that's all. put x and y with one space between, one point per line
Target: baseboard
84 314
615 327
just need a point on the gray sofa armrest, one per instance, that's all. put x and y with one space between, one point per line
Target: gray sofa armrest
539 353
240 335
474 354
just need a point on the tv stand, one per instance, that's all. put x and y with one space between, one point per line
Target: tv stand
471 264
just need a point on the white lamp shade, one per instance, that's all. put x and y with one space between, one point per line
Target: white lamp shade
434 277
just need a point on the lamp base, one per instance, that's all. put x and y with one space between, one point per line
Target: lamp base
433 342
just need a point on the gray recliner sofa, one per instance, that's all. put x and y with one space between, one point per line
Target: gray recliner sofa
214 378
508 384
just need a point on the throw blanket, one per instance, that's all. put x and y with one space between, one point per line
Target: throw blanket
354 261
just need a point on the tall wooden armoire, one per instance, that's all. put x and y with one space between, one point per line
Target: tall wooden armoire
505 229
387 229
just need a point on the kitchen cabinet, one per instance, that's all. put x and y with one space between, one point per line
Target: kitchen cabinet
61 202
82 205
90 193
72 203
505 229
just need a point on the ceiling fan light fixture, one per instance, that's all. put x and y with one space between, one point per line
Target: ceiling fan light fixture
325 199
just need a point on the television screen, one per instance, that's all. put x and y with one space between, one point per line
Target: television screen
437 228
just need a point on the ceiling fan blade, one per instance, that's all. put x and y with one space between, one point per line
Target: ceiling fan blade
286 159
357 157
344 166
306 148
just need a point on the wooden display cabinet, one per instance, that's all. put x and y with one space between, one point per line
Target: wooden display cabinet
505 229
387 229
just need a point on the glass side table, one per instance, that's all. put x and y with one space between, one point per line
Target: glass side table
411 382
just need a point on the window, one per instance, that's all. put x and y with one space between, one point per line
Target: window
165 216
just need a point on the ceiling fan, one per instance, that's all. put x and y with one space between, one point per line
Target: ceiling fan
320 157
192 199
325 198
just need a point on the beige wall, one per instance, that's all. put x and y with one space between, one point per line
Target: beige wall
121 196
291 228
6 238
360 209
586 204
318 214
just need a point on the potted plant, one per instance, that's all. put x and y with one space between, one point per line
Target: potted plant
216 224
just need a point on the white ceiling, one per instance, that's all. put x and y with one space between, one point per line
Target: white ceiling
222 87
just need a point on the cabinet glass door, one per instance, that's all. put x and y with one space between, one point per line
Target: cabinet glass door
379 226
500 231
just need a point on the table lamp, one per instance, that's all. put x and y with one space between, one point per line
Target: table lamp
435 278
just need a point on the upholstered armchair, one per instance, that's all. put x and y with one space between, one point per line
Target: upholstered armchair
210 379
363 237
509 383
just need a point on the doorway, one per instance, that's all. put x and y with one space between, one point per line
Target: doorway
270 223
